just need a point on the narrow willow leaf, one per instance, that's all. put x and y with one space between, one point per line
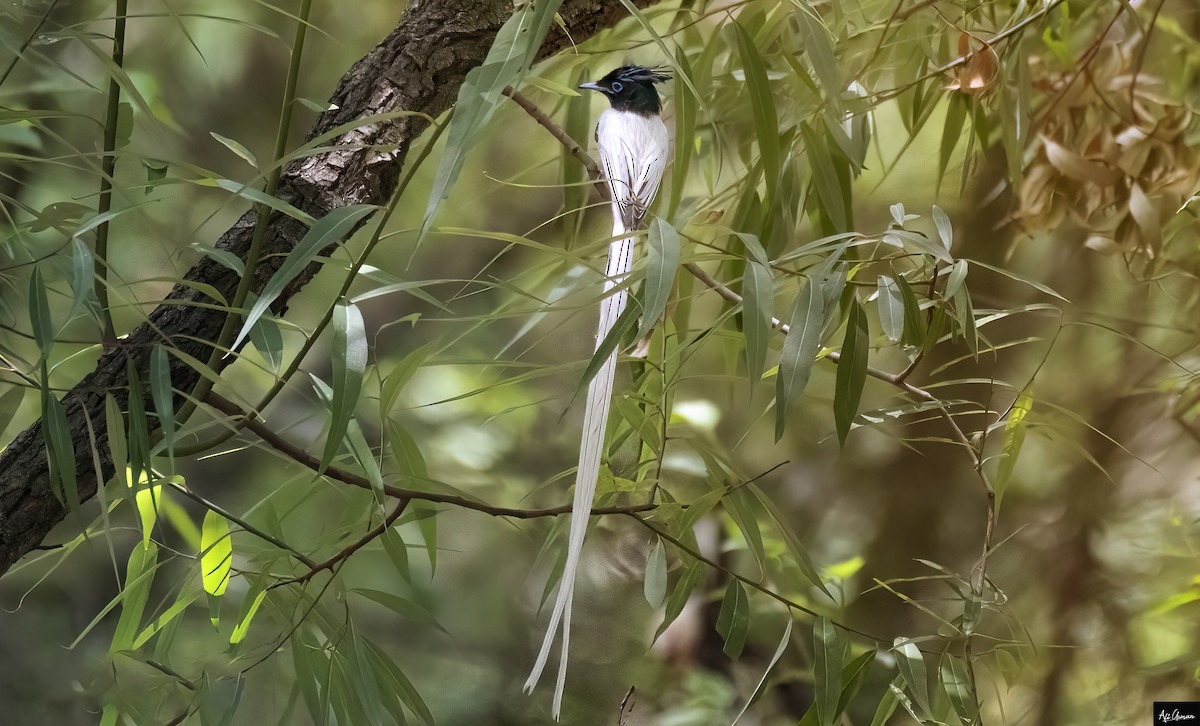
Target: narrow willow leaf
507 61
397 552
740 508
184 600
60 454
403 607
147 500
956 114
115 424
139 433
851 371
83 272
733 622
758 302
662 261
401 685
39 313
758 690
944 228
243 626
825 177
361 451
349 351
829 657
887 707
163 396
258 196
819 48
965 315
400 375
10 404
683 590
914 322
955 278
624 326
1014 439
911 665
796 549
406 453
139 576
685 136
1024 280
328 230
655 585
957 684
428 524
853 676
268 341
891 308
236 148
762 107
216 553
799 351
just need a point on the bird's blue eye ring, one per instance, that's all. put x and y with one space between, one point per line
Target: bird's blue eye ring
616 86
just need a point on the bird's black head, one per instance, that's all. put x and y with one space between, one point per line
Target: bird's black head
631 88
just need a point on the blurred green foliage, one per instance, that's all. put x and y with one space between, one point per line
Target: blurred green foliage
961 489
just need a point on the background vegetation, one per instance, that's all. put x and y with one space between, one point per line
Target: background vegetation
961 489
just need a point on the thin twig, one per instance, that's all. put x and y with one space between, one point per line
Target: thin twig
218 509
301 456
346 552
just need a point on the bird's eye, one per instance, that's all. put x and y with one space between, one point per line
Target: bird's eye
616 86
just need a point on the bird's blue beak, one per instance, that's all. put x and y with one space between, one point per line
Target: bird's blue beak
592 86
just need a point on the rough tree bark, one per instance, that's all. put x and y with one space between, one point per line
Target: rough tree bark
418 67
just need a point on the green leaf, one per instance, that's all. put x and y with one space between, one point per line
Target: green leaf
349 351
799 351
507 61
956 114
800 556
853 677
10 404
957 683
83 273
61 453
662 260
911 665
258 196
685 136
163 396
1014 438
394 382
944 228
891 308
758 301
819 48
762 106
851 371
39 313
406 452
965 315
1014 276
115 424
829 656
825 177
655 585
733 622
758 690
328 230
887 706
216 553
236 148
268 341
184 600
139 575
361 451
914 322
684 588
397 552
243 626
400 684
955 278
401 606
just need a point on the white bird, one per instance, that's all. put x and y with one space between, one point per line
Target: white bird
634 146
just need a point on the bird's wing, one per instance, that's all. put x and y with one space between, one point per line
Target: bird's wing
633 153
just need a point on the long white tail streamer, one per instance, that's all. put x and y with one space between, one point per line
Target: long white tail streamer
591 448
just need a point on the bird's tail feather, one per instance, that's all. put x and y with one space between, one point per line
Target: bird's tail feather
591 449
